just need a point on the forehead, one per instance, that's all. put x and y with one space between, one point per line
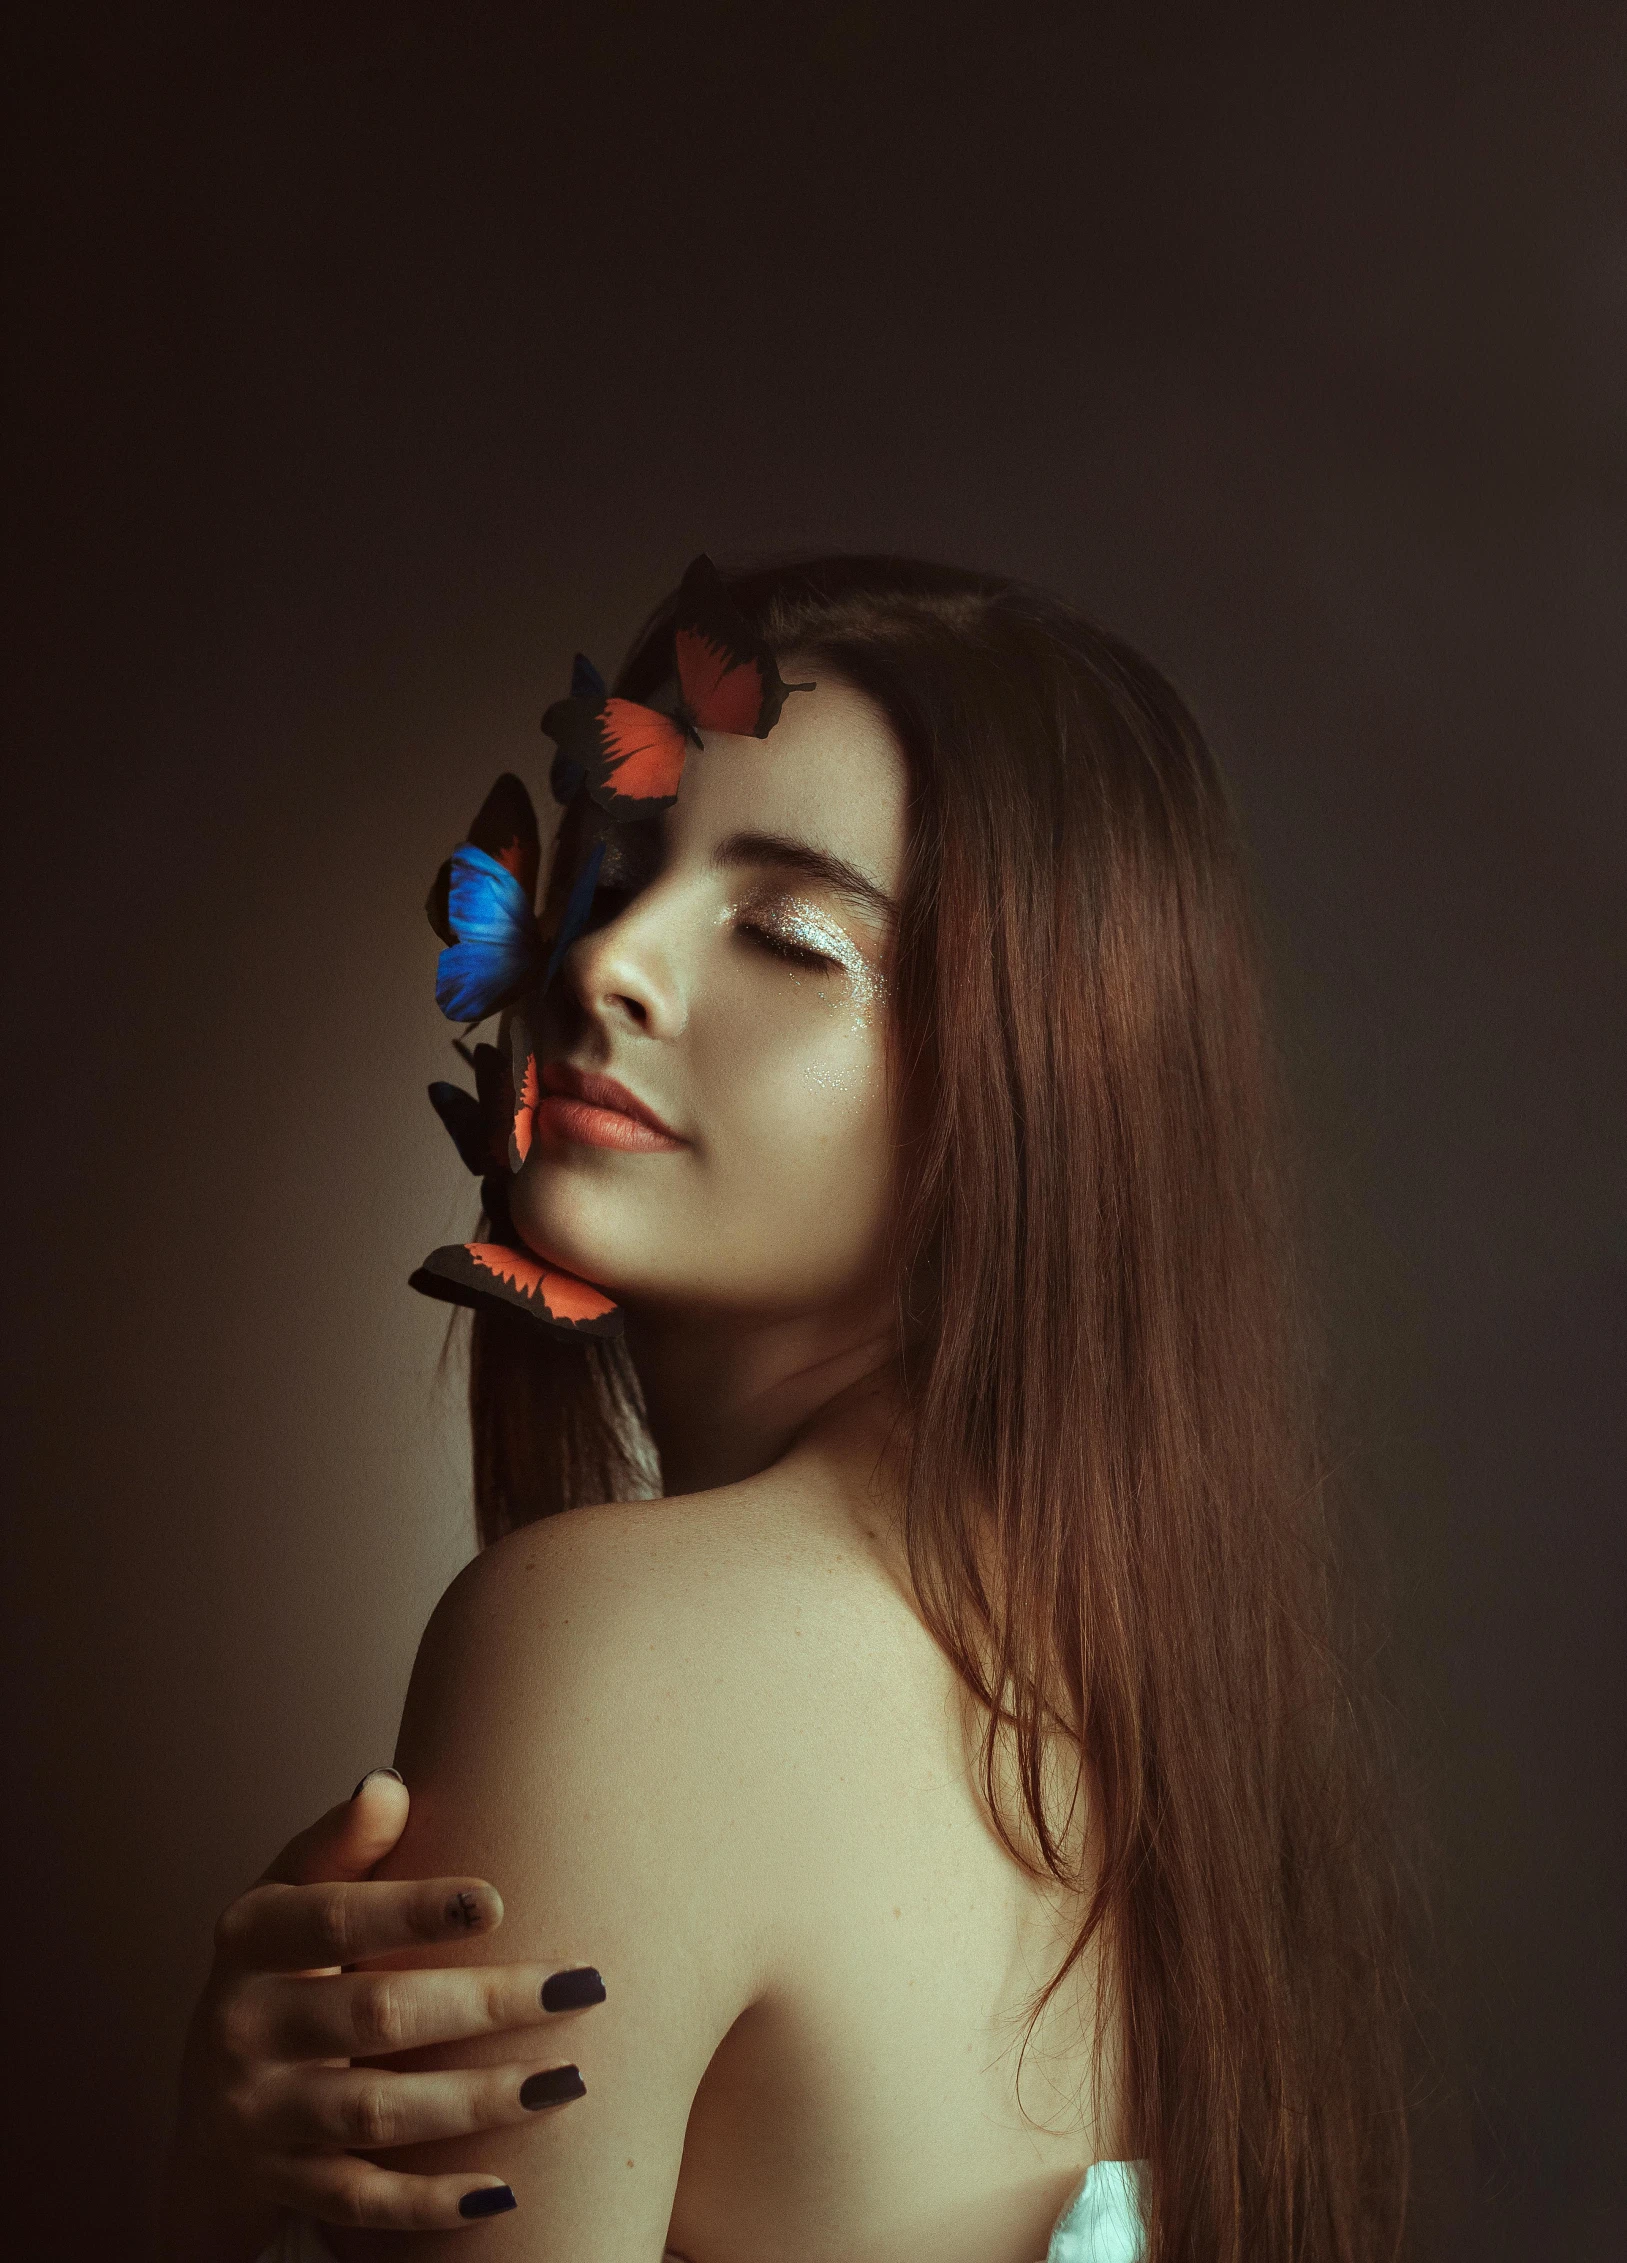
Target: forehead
829 773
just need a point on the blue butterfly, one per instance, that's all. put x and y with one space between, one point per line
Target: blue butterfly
496 948
481 907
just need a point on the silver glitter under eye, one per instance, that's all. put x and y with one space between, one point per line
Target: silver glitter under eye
808 928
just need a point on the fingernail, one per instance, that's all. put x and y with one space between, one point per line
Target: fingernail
490 2200
569 1991
552 2088
372 1772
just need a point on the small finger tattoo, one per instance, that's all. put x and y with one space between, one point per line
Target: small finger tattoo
463 1909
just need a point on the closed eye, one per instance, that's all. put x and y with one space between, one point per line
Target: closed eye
797 953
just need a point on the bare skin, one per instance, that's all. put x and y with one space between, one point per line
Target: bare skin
707 1741
784 2066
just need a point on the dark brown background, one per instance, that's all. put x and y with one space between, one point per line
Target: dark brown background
365 362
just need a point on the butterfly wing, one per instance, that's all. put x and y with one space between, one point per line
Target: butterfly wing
630 757
496 948
729 678
578 904
436 904
525 1087
565 775
461 1113
495 1087
492 1276
505 827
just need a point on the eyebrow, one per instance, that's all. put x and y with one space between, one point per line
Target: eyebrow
801 857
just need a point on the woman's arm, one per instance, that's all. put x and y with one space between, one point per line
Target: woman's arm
580 1725
265 2116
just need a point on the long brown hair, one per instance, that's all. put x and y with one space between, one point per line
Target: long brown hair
1107 1352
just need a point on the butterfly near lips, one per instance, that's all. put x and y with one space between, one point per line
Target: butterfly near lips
629 759
482 905
487 1127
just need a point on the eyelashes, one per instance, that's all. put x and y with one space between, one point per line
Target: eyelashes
781 946
803 932
609 903
794 931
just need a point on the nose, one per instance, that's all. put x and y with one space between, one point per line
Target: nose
624 974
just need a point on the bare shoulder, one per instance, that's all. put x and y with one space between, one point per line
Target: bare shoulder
603 1624
648 1724
707 1591
736 1645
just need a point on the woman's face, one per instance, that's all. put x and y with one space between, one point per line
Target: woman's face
737 989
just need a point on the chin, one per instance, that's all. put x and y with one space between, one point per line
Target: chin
551 1219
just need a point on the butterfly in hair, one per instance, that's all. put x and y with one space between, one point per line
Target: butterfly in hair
631 757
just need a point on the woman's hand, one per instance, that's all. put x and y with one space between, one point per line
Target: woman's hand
269 2104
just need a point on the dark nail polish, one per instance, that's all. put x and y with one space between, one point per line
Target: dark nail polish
552 2088
490 2200
569 1991
372 1772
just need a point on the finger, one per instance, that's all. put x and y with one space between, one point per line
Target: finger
340 2189
349 1839
364 2015
373 2108
276 1928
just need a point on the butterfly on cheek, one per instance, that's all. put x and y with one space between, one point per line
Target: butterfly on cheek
481 906
490 1127
626 760
631 757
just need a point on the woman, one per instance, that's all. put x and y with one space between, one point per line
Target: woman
951 1776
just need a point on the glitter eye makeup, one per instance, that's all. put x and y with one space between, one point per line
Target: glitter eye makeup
806 935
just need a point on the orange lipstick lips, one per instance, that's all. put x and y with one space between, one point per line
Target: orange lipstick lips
596 1111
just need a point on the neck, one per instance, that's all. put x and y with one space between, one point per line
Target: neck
726 1397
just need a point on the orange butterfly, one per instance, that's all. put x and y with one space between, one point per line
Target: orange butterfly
631 757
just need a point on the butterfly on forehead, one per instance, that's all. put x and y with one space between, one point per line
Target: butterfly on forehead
631 757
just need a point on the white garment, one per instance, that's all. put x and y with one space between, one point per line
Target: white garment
1102 2222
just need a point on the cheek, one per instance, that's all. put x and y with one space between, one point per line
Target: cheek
804 1068
801 1121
